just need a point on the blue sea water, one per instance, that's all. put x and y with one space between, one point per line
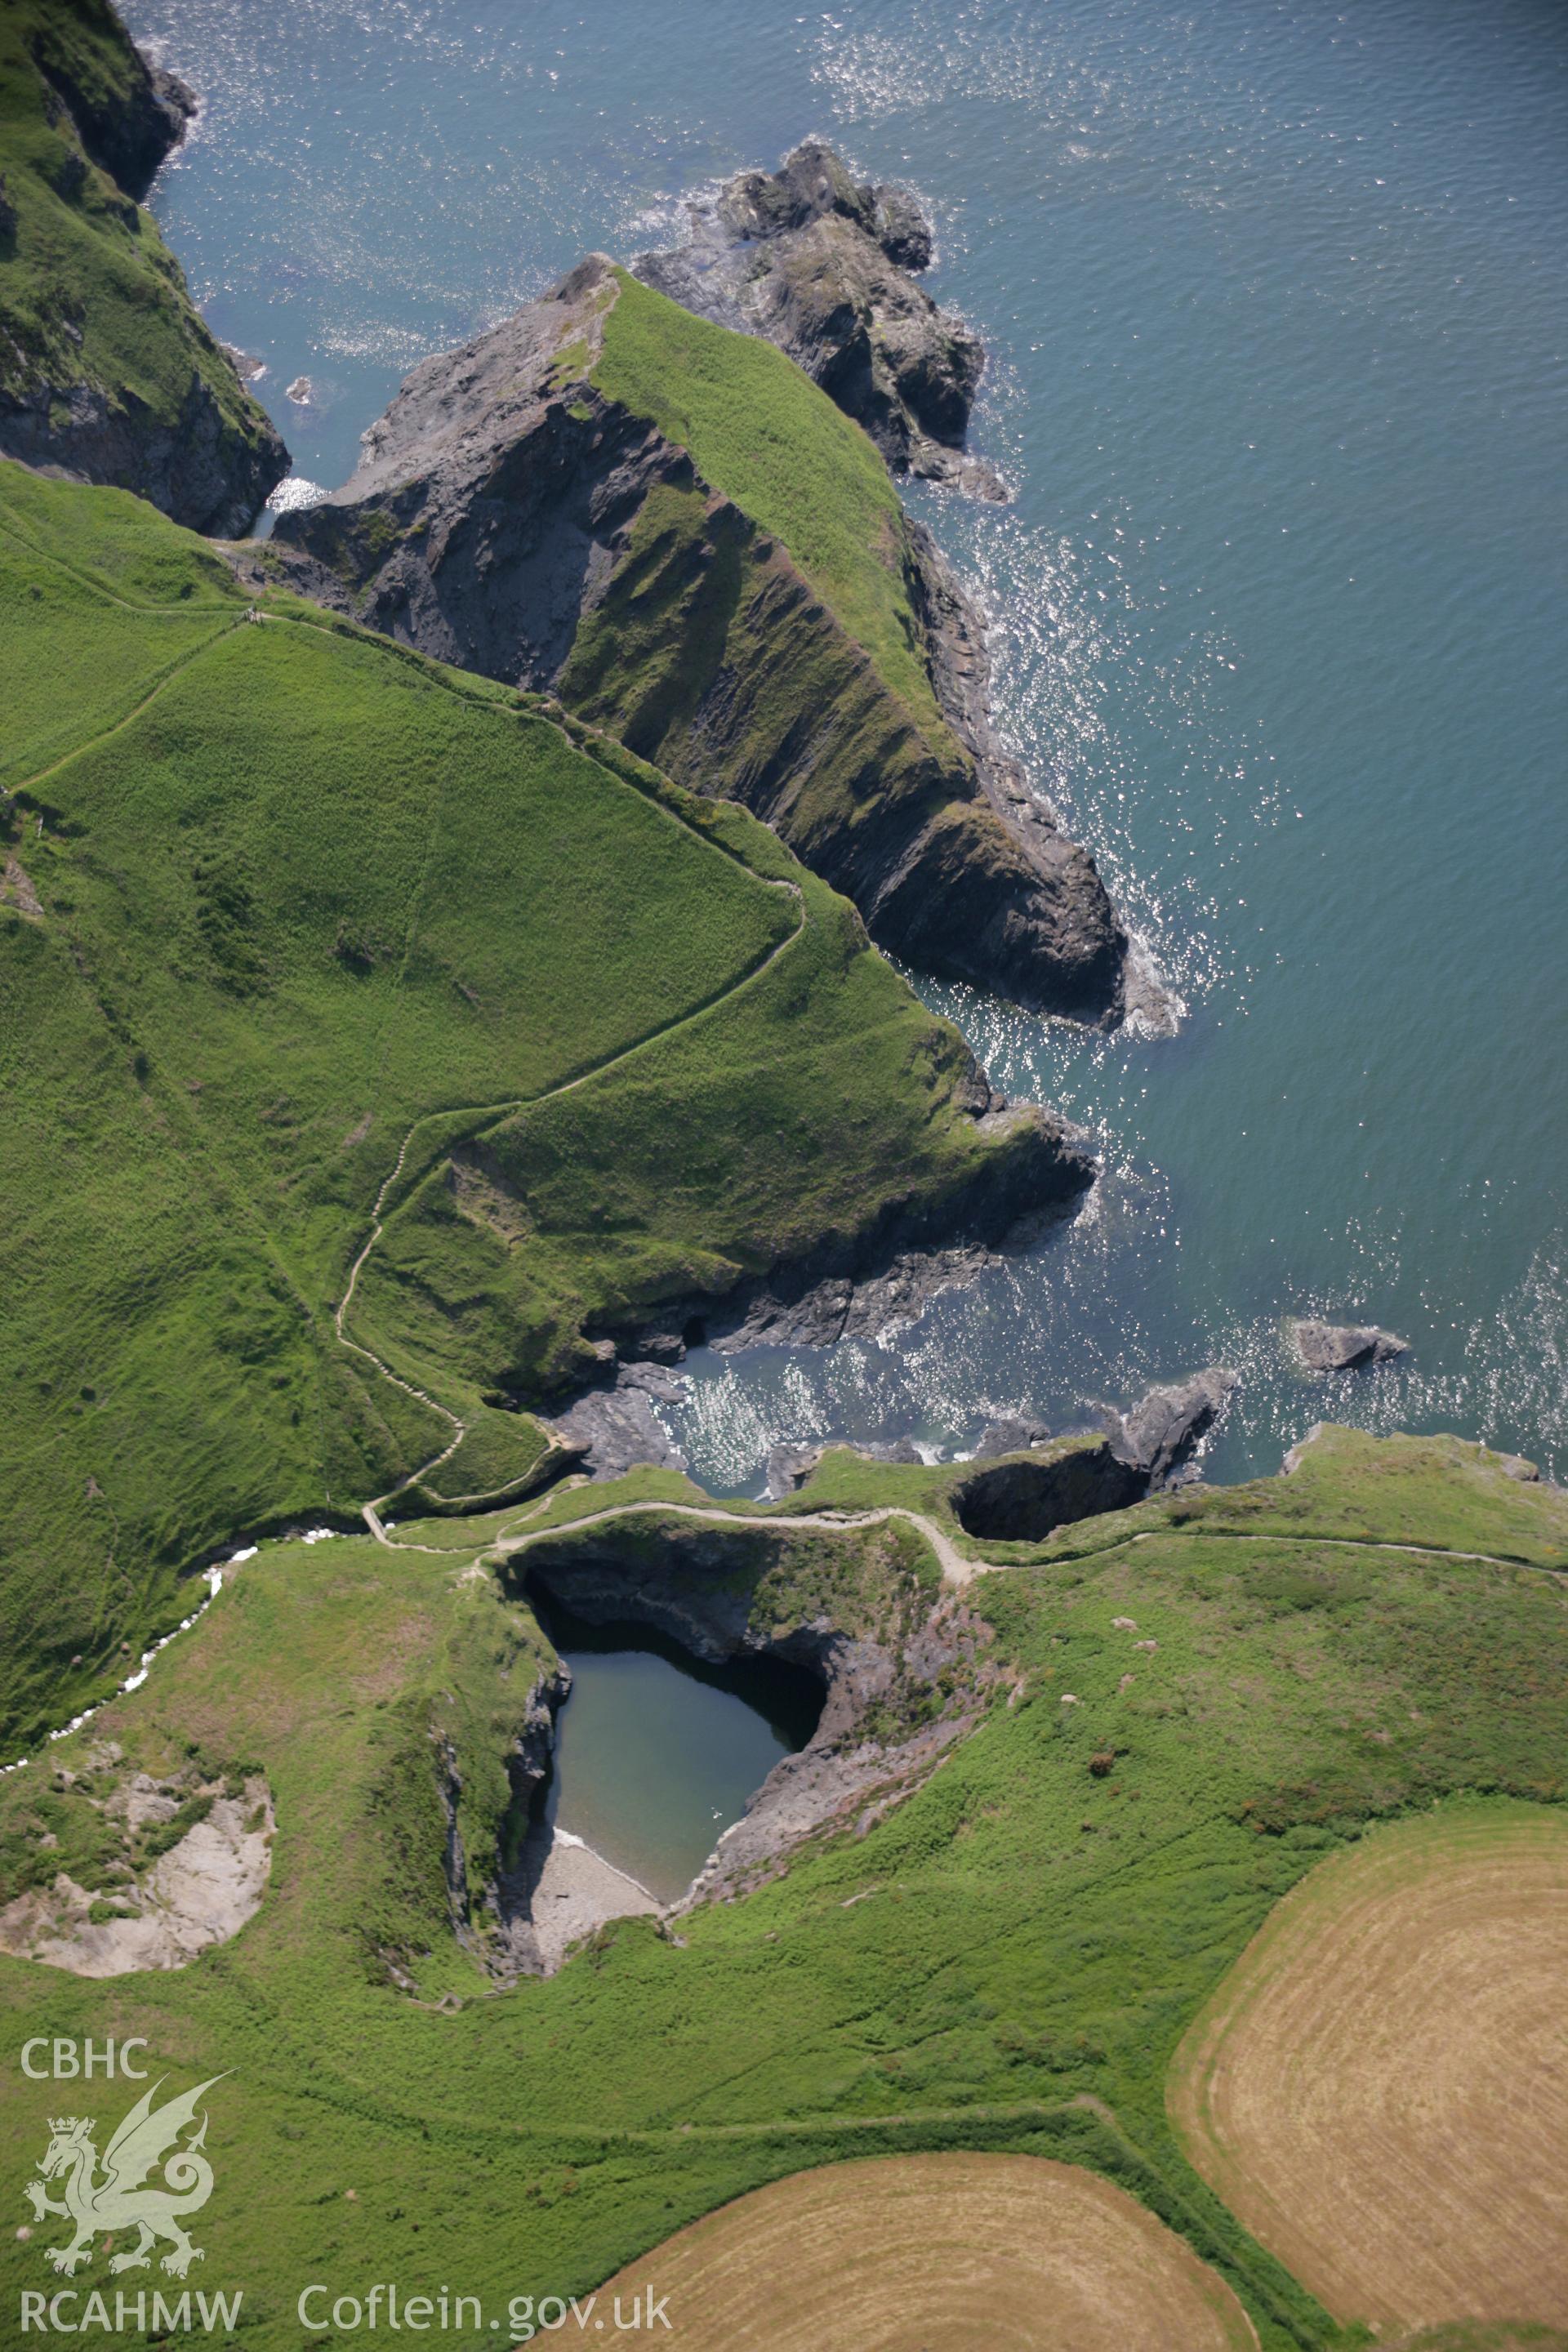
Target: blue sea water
1274 295
656 1754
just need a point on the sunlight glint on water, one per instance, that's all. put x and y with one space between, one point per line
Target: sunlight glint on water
1277 316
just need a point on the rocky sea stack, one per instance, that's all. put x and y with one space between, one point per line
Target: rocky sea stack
1344 1347
819 263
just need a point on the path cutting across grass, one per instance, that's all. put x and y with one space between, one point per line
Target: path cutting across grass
1004 1962
298 916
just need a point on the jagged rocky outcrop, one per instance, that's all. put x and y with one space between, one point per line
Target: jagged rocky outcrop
613 1428
1037 1485
1010 1433
510 517
819 264
107 371
189 464
1344 1347
865 1282
1163 1431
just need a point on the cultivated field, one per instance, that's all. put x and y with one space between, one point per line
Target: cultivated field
1379 2089
902 2252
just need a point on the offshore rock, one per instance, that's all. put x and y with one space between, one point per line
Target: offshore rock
1344 1347
817 263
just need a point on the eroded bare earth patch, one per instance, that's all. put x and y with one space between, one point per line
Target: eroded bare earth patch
180 1862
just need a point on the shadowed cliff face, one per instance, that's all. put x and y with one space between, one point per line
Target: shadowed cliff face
107 371
897 1667
129 115
517 513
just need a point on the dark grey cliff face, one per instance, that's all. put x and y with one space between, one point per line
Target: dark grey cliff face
192 467
818 264
490 498
171 420
497 522
860 1284
901 1682
127 130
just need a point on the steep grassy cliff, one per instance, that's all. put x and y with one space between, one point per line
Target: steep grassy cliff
288 914
106 369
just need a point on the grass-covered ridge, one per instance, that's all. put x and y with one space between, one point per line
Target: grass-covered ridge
1007 1961
281 904
105 365
666 523
763 435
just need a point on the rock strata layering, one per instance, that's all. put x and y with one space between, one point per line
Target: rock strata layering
819 264
510 516
1344 1347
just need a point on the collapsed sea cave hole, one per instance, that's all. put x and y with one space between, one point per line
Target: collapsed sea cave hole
658 1749
1024 1501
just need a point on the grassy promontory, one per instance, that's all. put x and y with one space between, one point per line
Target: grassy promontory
288 912
668 524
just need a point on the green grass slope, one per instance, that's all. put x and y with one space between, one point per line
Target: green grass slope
105 366
761 621
287 911
763 435
763 635
1006 1960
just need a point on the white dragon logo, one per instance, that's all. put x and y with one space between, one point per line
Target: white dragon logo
118 2201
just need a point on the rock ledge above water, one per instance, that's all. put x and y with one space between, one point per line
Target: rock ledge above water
1344 1347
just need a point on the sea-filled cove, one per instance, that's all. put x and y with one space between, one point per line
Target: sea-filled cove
657 1751
1276 326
